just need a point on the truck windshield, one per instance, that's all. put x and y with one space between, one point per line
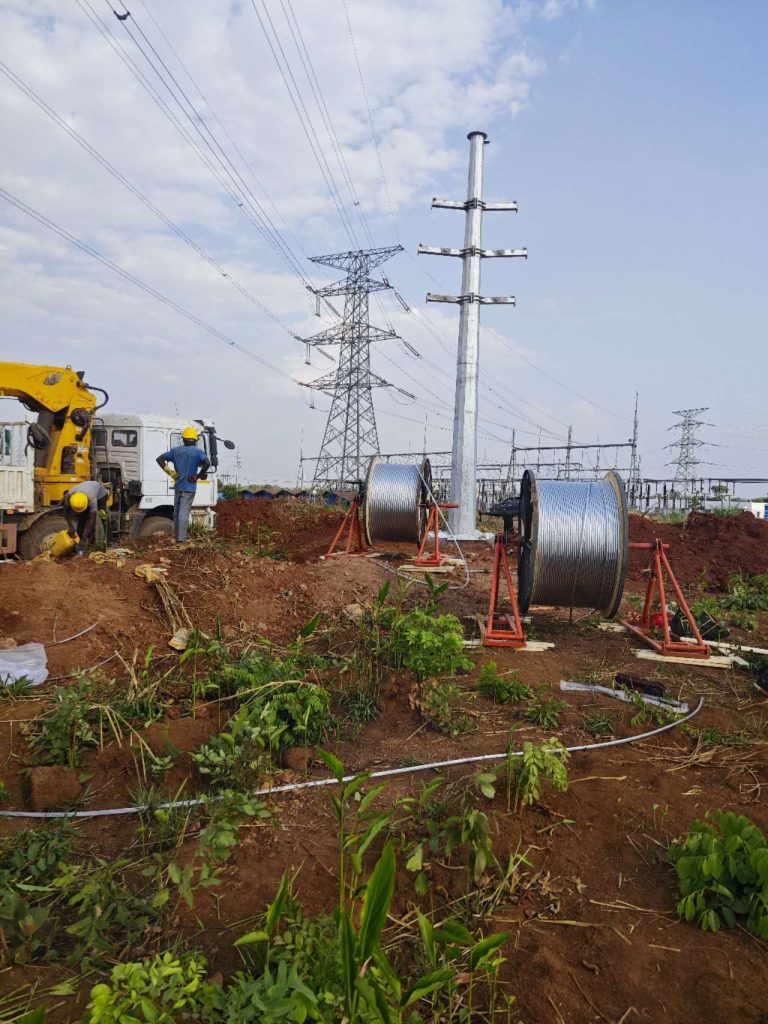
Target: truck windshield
176 441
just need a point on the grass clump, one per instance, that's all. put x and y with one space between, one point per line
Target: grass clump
502 689
722 871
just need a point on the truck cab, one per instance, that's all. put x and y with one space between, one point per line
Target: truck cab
125 451
123 454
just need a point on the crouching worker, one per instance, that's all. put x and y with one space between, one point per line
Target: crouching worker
81 505
185 465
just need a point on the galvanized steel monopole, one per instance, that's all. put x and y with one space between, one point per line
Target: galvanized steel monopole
574 543
396 496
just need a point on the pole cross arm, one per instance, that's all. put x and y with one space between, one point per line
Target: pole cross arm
472 250
472 204
484 300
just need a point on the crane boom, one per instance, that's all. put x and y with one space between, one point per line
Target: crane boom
61 437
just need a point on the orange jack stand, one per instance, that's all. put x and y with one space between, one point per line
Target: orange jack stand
435 560
355 544
641 627
501 630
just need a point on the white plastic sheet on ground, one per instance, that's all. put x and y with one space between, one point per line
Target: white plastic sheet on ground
26 662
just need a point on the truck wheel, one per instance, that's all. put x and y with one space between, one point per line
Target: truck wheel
32 541
154 525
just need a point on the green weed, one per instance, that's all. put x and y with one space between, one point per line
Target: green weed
545 713
436 701
506 689
430 645
538 764
598 723
722 871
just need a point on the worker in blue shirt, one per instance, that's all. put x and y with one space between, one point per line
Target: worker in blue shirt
185 465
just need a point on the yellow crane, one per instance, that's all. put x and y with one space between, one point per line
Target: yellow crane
69 441
61 437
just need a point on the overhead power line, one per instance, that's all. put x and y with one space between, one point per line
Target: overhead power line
322 106
138 283
245 162
207 139
145 200
297 100
374 134
201 146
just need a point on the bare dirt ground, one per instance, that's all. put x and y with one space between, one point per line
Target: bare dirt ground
594 933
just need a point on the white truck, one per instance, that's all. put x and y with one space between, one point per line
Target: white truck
123 449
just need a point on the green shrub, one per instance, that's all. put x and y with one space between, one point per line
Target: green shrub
160 990
506 689
429 645
292 715
295 714
598 723
545 713
722 871
436 701
548 761
235 757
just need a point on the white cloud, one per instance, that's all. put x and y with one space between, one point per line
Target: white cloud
433 69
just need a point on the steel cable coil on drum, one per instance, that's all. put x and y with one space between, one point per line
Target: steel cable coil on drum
396 496
574 543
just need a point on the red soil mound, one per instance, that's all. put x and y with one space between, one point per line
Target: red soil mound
295 529
705 546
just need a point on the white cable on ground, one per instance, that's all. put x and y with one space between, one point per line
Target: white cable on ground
292 787
91 668
55 643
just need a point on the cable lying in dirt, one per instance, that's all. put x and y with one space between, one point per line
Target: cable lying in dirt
74 675
55 643
293 787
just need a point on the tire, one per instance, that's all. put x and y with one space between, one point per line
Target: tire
32 541
154 525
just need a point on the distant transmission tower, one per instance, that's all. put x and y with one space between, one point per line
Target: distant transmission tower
687 460
633 482
350 437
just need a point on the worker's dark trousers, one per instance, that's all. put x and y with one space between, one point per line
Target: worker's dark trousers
182 506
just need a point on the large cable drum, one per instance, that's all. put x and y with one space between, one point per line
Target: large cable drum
395 500
575 543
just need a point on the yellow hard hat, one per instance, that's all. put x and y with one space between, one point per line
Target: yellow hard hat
78 501
189 433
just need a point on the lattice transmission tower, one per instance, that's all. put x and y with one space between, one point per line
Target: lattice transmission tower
687 459
350 437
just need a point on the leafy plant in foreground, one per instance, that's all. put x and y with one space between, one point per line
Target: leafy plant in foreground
429 645
218 839
35 856
108 913
548 761
598 723
236 757
545 713
70 726
506 689
163 989
25 930
435 700
722 871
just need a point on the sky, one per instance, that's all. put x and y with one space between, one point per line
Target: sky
631 135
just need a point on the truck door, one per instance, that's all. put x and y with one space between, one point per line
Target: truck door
156 486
